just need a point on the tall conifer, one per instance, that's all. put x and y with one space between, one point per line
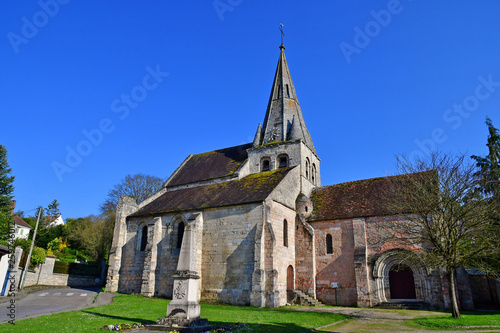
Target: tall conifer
490 164
6 189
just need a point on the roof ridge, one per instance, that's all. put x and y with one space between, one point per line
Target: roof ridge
368 179
222 149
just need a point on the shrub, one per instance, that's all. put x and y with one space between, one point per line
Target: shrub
67 250
23 243
54 244
38 255
82 257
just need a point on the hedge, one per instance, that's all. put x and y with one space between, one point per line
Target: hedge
63 267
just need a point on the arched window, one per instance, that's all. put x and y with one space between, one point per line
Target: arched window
282 161
313 174
180 234
285 233
329 244
307 167
287 91
265 165
144 237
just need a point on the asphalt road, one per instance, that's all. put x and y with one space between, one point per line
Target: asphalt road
48 301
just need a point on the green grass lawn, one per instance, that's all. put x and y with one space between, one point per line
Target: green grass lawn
128 309
469 320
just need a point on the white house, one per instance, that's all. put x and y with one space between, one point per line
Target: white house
22 229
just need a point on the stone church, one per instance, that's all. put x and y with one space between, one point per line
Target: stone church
266 229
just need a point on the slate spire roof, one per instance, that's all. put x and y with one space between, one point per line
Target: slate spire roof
284 120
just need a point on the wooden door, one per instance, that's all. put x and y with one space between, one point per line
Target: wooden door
289 278
402 283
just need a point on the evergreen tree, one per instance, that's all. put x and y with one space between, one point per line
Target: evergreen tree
490 164
53 209
6 189
490 187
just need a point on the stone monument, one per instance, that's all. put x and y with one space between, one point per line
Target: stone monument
183 312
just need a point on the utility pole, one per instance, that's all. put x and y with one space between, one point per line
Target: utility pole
26 265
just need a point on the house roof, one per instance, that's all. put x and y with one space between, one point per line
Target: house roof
215 164
4 250
253 188
19 221
363 198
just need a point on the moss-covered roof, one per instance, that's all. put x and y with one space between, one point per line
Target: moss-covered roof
253 188
362 198
211 165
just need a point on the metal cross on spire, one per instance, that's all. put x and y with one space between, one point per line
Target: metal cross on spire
282 33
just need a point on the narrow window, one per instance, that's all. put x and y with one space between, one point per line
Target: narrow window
313 174
329 245
144 237
279 91
180 234
265 165
287 92
282 161
285 233
307 168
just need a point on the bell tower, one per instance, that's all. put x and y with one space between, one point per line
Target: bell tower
284 140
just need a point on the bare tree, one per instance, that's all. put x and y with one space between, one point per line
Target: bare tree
448 220
139 186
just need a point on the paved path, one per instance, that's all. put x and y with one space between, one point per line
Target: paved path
378 321
55 300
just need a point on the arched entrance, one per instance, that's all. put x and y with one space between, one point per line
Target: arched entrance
401 282
400 275
290 285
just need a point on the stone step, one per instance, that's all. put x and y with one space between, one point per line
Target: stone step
299 297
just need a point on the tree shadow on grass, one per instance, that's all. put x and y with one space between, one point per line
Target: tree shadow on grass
254 327
118 318
268 328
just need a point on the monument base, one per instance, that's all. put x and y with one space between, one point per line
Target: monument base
181 325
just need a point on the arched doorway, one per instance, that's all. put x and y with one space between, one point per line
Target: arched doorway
401 282
290 285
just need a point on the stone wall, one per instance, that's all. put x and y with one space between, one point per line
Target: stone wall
484 291
279 253
132 258
361 260
383 253
336 268
305 249
229 252
225 257
43 275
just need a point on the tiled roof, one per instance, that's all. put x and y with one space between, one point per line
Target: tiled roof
211 165
21 222
363 198
4 250
253 188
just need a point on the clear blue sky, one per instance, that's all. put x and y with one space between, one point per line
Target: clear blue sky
366 96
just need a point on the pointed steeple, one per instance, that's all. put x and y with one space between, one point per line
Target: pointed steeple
258 134
284 120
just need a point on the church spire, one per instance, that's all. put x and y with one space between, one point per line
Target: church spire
284 120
